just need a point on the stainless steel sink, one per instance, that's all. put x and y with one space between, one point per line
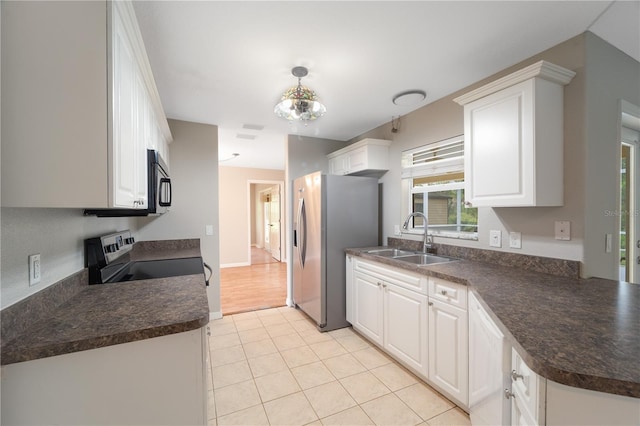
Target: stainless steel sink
424 259
391 252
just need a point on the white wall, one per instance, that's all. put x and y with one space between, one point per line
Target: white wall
57 234
194 178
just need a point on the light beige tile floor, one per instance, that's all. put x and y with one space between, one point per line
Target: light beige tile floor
272 367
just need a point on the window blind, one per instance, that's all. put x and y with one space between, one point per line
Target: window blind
438 158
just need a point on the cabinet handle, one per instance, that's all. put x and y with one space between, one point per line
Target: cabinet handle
379 283
515 376
443 292
384 285
467 203
430 303
508 394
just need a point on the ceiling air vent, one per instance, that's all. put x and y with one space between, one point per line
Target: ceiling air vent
245 136
253 126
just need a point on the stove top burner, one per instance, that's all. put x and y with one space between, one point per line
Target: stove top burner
109 261
165 268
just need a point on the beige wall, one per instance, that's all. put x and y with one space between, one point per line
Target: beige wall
194 178
235 211
611 76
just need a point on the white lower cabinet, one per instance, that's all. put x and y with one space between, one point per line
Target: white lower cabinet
393 309
154 381
489 369
390 309
367 318
405 326
448 349
528 392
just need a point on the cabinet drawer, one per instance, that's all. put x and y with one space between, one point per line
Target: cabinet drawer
393 275
528 387
452 293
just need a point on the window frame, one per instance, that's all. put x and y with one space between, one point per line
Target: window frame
436 167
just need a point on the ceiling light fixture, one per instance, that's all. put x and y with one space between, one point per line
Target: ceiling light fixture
410 97
299 102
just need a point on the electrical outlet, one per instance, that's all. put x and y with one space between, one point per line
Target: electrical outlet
208 229
495 238
515 240
34 269
396 230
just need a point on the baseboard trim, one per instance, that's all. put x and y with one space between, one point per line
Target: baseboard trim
215 315
235 265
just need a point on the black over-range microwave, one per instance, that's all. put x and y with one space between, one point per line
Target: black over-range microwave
158 192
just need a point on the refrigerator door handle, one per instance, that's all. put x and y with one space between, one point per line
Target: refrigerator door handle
302 231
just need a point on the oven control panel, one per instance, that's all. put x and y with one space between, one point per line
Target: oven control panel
101 251
117 244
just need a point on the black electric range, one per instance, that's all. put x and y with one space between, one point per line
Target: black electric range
108 260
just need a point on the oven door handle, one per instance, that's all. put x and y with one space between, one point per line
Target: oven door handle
206 280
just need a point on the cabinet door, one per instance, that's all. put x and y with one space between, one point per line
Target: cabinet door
357 160
448 349
405 326
489 365
339 165
499 155
125 179
141 142
519 415
368 306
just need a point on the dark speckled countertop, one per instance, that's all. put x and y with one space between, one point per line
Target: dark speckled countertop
579 332
73 316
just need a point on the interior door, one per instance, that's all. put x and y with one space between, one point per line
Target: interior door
274 223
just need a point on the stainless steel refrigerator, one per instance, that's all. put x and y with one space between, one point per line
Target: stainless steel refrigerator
331 213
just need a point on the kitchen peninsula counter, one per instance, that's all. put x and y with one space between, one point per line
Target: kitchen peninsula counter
72 316
583 333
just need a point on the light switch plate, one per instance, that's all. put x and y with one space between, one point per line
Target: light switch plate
34 269
608 242
495 238
515 240
396 230
209 230
563 230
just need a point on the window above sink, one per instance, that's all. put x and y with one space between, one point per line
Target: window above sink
433 184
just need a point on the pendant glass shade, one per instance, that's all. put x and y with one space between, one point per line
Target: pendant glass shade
299 102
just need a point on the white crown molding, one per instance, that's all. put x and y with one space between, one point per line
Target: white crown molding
543 69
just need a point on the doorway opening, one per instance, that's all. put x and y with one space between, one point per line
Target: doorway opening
262 284
266 228
629 208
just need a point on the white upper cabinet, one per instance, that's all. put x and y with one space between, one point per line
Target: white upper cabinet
79 106
514 139
368 157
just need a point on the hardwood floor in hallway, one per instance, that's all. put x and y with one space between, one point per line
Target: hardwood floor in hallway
255 287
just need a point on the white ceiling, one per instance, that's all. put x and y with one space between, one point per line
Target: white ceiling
227 63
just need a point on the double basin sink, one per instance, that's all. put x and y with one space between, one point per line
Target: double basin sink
414 257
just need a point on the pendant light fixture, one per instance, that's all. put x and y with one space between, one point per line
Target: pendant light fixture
299 102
